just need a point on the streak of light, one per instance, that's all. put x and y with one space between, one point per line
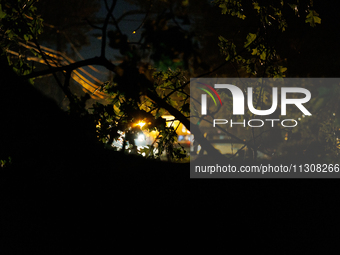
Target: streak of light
88 86
53 55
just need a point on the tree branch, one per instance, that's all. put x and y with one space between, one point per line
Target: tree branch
91 61
113 18
102 61
190 126
133 12
92 25
38 47
104 28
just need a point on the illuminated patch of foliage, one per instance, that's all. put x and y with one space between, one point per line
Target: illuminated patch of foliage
19 24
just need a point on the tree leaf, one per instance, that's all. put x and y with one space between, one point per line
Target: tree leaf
250 38
312 18
2 13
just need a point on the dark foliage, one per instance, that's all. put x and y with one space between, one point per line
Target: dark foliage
63 191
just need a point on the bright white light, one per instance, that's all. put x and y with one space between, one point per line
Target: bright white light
141 137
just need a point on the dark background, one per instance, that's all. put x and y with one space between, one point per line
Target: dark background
61 196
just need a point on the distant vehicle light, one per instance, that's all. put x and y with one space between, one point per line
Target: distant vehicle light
141 124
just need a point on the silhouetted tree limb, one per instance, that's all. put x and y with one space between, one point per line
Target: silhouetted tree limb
102 61
104 28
